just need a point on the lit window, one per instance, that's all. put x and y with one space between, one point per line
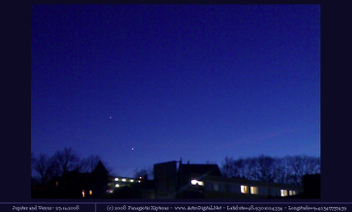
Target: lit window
57 183
292 192
116 179
123 180
117 185
83 193
244 189
90 192
254 190
196 182
283 193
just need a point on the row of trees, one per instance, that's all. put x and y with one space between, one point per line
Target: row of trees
45 168
288 169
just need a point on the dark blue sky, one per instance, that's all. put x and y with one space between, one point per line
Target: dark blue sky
200 82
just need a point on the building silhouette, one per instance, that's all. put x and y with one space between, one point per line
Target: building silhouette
175 180
74 185
166 180
172 180
204 181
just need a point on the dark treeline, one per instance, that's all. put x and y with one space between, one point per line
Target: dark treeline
287 170
44 167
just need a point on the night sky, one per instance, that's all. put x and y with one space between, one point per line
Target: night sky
200 82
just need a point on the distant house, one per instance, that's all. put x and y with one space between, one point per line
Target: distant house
74 185
229 188
123 187
130 188
204 181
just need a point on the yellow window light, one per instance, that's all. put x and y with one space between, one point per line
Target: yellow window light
244 189
254 190
197 182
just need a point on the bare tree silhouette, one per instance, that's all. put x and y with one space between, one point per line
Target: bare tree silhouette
67 160
288 169
89 163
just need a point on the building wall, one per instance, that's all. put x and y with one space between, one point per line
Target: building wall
193 182
239 188
165 180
